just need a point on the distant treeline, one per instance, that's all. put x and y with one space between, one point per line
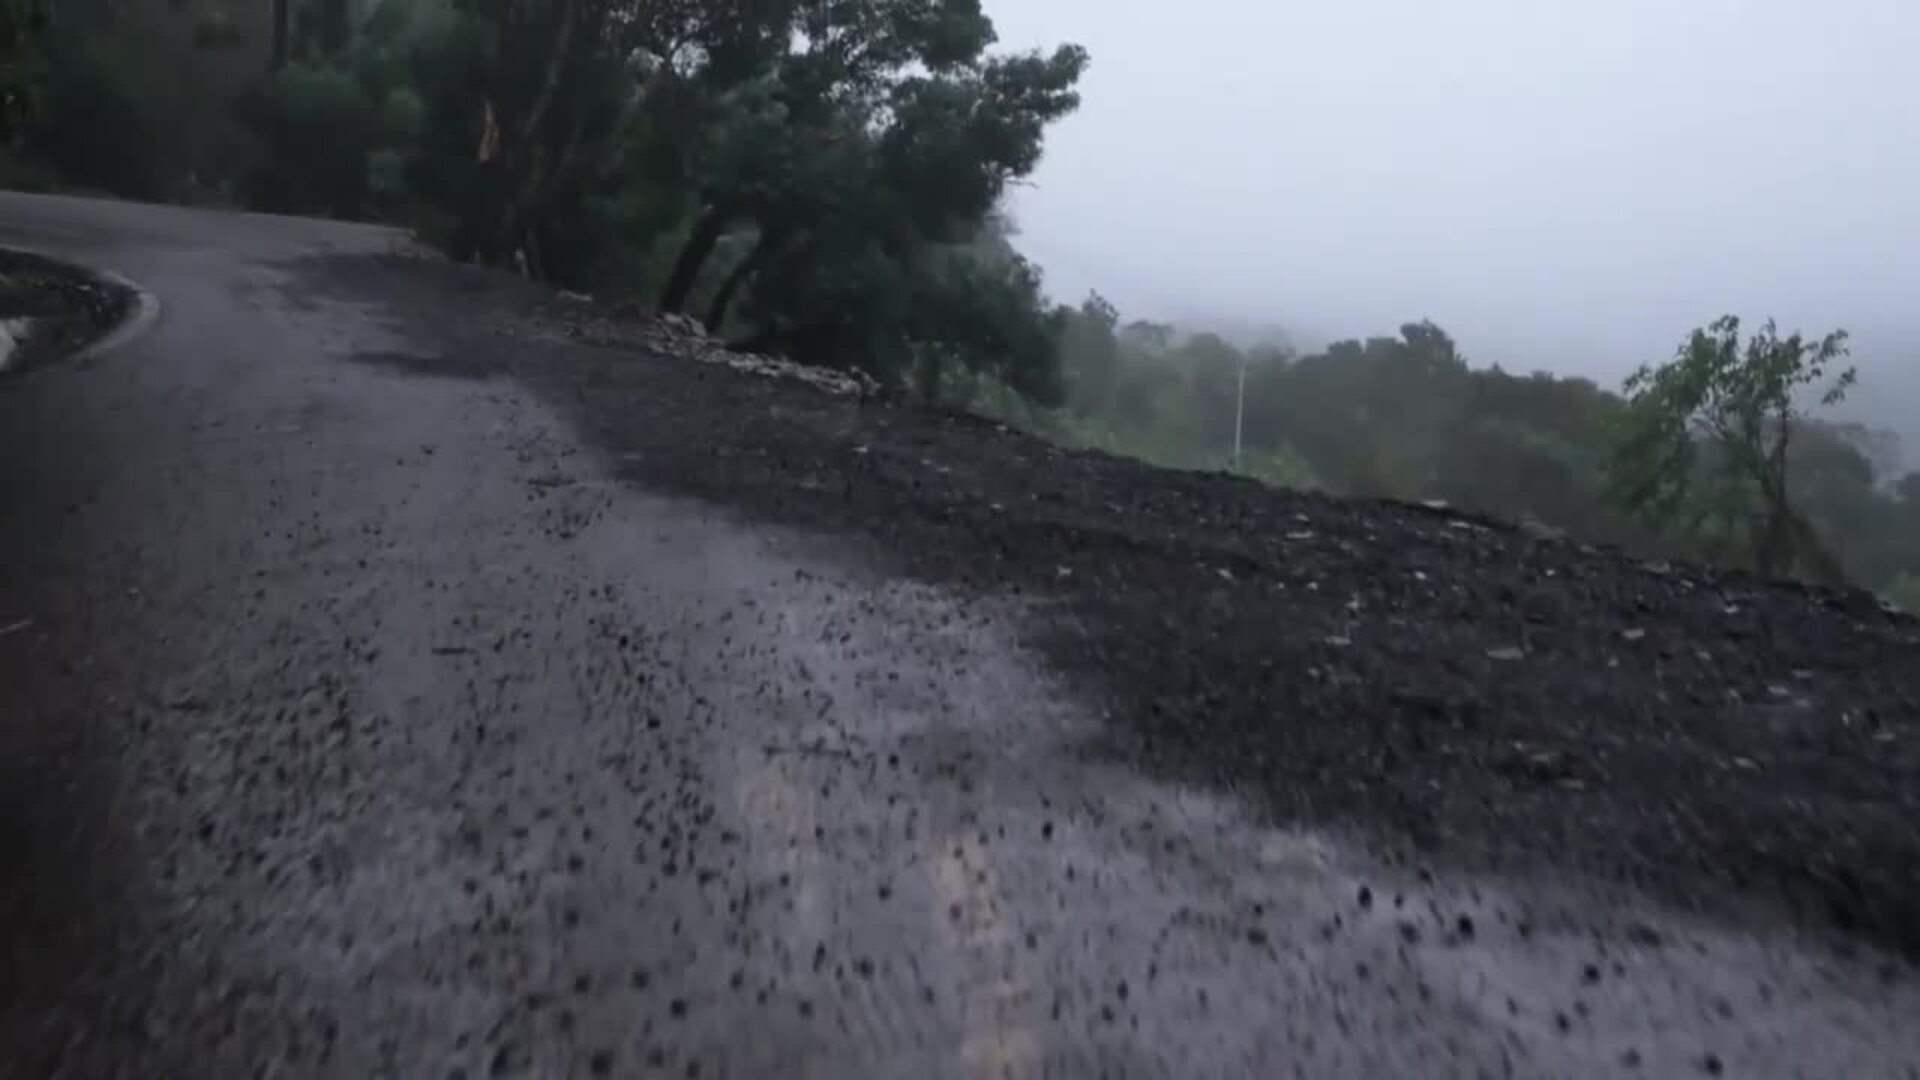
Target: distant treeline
1407 417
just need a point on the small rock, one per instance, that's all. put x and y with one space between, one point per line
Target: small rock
1507 653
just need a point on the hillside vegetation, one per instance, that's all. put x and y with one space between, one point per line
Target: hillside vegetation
825 179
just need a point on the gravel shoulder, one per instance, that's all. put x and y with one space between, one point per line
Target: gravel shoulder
50 309
1457 691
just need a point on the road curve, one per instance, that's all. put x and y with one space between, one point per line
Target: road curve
362 724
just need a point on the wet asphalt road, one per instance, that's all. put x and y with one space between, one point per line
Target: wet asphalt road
342 740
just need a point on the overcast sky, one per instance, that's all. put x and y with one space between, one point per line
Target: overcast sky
1567 184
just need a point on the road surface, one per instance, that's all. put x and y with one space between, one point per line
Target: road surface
363 723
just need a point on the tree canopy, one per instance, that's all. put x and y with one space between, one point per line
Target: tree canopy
1708 436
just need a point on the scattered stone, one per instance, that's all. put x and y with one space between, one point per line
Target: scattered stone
682 337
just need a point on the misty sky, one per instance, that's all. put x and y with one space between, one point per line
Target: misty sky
1563 184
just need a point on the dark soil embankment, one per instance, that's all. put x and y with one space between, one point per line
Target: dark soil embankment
52 309
1458 690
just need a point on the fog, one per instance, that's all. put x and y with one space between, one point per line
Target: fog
1567 186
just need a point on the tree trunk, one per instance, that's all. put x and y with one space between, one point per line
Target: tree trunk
1776 543
730 288
277 59
336 26
524 157
550 85
1819 559
693 256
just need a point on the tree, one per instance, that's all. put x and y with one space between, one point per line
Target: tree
23 30
1371 416
874 214
1211 367
317 126
1907 490
1090 354
780 81
884 120
521 112
1706 446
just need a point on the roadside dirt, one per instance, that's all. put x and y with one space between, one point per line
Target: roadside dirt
66 308
1457 690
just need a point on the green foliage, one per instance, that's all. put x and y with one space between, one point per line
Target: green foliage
93 122
1706 439
317 126
815 173
23 63
973 318
1279 468
133 98
1407 417
861 171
